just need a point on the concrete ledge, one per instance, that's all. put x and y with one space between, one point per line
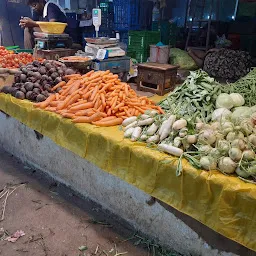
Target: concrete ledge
169 227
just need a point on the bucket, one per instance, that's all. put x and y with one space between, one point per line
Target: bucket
159 54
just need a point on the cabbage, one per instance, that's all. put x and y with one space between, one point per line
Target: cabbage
220 113
238 99
224 101
241 113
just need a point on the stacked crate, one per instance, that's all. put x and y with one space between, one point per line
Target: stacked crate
107 18
139 44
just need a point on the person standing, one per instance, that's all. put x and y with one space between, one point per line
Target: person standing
42 11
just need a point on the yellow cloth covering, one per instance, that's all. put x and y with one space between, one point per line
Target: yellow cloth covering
223 203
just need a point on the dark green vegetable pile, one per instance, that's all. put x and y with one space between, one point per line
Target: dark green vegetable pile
196 97
35 81
246 86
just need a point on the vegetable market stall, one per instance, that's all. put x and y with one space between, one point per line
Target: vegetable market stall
223 203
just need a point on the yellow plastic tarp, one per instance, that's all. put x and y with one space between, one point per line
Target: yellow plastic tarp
223 203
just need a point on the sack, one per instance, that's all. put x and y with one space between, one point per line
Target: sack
182 59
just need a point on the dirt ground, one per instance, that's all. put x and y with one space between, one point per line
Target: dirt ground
53 224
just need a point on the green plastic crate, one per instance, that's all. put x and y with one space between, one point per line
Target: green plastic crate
23 50
140 40
142 56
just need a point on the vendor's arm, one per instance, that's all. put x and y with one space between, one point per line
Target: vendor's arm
28 23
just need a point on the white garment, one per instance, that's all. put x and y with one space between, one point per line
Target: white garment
46 8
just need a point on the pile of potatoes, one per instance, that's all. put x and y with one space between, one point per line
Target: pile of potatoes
36 80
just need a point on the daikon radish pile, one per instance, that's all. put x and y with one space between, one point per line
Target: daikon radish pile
99 98
227 144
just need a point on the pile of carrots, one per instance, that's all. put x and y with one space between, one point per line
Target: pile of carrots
98 97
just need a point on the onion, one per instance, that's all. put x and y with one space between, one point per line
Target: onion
223 146
191 139
248 155
208 163
215 153
231 136
235 154
227 165
199 126
252 139
207 136
205 149
238 143
215 125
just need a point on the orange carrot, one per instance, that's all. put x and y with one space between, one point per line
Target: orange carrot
45 103
82 106
113 122
60 84
94 93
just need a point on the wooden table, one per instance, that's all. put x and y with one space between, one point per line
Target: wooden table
156 78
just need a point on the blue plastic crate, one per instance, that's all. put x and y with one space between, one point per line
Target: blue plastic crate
126 14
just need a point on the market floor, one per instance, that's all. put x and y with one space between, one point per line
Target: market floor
53 226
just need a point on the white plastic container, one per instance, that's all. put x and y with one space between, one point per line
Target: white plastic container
159 54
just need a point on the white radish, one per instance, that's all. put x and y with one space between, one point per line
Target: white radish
191 139
179 124
153 113
162 127
136 133
227 165
167 127
148 121
170 149
152 129
143 137
128 132
208 163
177 142
129 120
153 139
183 132
144 116
135 123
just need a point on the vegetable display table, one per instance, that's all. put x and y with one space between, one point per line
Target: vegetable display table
156 78
223 203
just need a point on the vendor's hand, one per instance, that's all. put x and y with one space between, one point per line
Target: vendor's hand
27 23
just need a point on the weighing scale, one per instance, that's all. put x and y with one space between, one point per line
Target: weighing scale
46 41
108 55
52 46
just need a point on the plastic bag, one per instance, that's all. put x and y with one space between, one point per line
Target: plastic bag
182 59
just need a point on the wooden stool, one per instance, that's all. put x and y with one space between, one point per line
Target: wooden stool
156 78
